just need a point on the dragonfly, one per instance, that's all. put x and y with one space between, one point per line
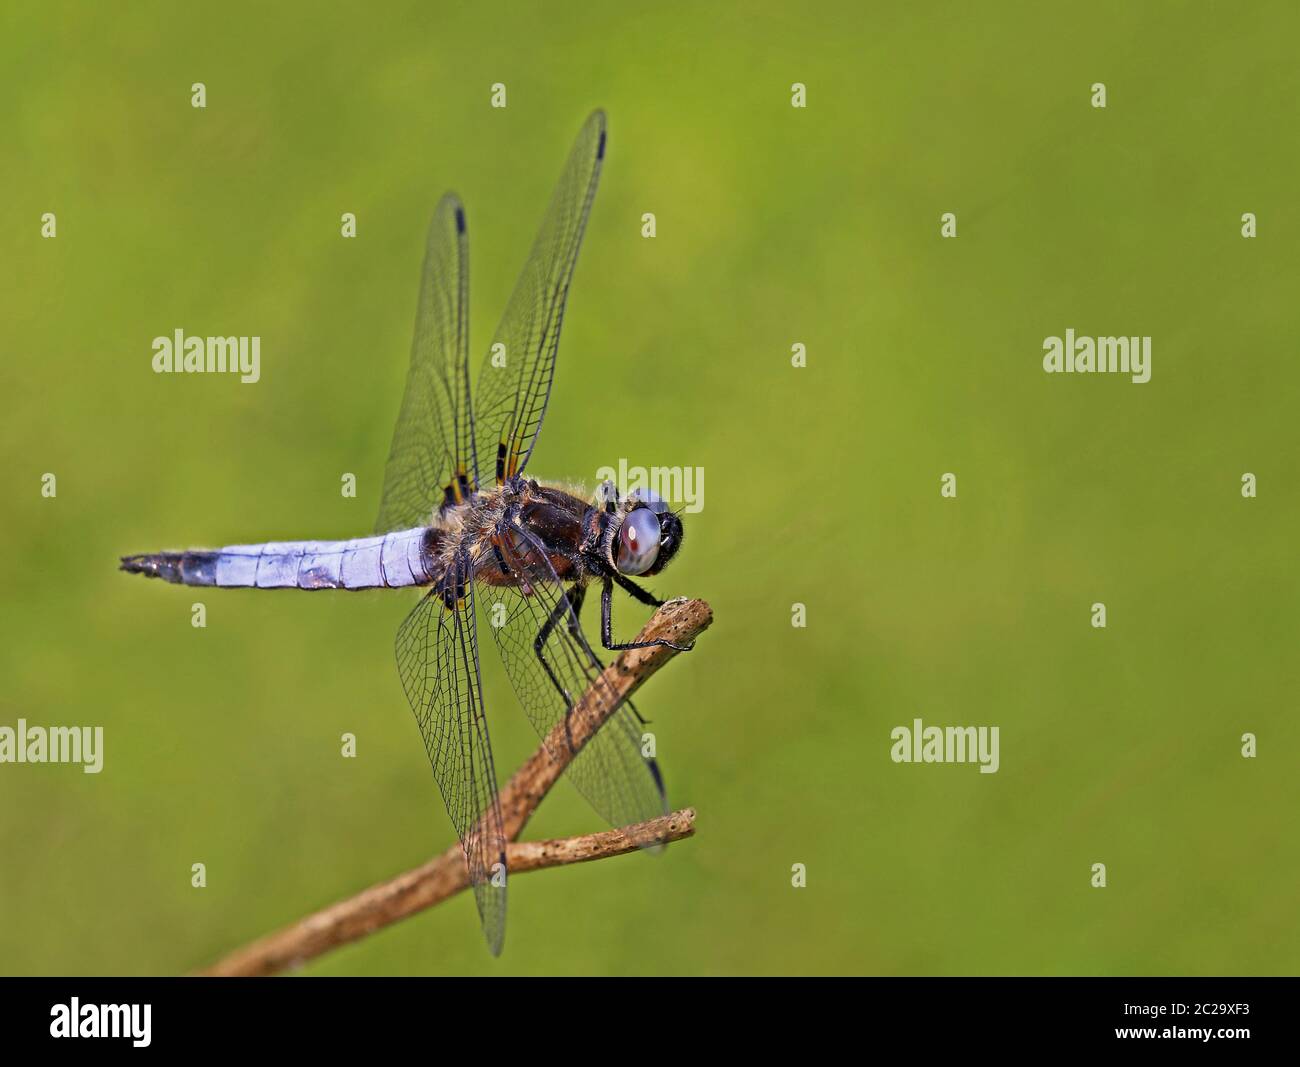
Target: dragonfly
460 519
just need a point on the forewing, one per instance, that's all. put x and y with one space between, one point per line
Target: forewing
437 658
515 382
622 785
434 438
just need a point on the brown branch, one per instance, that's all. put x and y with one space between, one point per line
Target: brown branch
524 856
385 903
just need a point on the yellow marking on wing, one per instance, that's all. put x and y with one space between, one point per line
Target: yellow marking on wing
512 468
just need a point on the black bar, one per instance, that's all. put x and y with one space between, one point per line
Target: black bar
969 1016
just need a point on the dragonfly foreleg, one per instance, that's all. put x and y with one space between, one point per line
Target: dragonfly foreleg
637 593
607 620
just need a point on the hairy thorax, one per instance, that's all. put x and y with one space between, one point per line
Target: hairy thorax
528 517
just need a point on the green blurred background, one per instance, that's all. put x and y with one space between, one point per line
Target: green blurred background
775 226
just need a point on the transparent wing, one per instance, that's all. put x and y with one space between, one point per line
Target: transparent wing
437 659
434 439
622 785
514 383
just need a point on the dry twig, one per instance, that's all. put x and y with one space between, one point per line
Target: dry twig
679 621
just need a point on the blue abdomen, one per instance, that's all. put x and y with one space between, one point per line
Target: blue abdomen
392 560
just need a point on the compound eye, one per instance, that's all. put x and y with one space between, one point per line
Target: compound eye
638 542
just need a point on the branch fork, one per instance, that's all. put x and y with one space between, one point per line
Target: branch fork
679 621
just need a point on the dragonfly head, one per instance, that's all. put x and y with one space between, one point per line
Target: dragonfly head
646 536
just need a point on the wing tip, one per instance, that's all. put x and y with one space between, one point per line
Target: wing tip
450 204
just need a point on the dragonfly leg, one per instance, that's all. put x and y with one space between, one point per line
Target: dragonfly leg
637 593
539 644
607 621
572 602
576 596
